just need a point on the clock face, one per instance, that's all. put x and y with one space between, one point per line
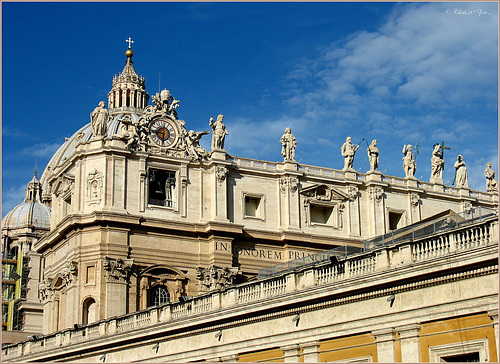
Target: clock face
163 133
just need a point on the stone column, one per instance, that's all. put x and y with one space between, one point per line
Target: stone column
291 353
386 348
310 351
409 336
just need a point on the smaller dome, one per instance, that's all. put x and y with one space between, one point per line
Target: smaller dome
33 214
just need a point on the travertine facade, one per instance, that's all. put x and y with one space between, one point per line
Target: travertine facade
148 200
430 300
143 216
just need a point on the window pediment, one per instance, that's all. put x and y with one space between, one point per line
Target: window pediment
324 193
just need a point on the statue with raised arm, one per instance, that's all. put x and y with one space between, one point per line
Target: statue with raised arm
373 157
288 144
437 163
219 132
491 183
99 120
461 175
409 163
348 150
194 148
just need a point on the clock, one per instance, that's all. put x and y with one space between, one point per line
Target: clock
163 133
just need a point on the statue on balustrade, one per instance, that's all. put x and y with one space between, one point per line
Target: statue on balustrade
348 150
409 163
491 183
373 156
461 177
219 132
288 144
437 163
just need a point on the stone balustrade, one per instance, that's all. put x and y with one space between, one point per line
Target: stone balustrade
462 238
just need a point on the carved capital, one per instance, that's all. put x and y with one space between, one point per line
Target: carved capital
415 199
291 183
117 269
376 193
221 174
213 277
352 192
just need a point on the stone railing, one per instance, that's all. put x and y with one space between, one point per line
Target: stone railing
354 266
316 171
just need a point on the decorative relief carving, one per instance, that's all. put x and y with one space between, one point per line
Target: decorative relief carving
415 199
324 193
64 185
221 174
291 183
118 269
45 290
94 187
376 193
213 277
467 207
352 192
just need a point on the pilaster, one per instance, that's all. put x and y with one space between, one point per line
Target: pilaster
291 353
310 351
410 343
386 345
494 316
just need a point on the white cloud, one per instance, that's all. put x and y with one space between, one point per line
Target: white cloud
424 76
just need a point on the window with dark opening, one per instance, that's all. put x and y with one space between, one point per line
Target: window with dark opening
461 358
159 295
394 220
252 206
161 187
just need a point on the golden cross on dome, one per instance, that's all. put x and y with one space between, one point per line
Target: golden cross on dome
129 41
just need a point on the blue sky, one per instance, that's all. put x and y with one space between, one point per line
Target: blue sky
402 73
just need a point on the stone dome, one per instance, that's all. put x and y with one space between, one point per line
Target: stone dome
34 214
30 213
84 134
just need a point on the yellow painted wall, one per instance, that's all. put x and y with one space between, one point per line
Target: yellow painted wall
348 347
268 356
467 328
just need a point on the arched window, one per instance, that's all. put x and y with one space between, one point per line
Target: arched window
159 295
89 311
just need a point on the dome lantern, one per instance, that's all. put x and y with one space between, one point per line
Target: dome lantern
128 93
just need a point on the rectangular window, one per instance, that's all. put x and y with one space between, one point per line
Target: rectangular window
322 214
252 206
161 187
394 220
461 358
